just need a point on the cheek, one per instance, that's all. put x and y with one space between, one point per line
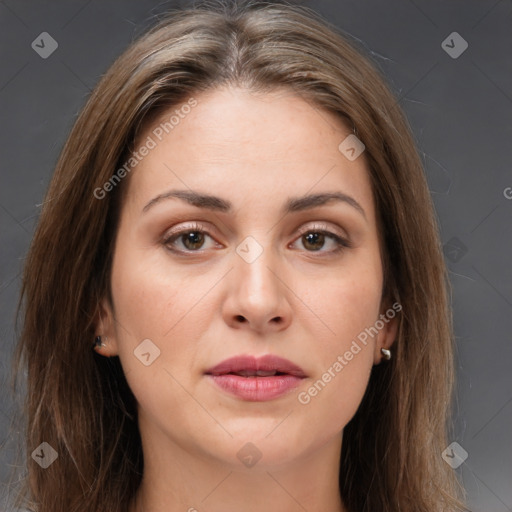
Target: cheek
141 296
345 302
348 306
165 305
345 362
152 303
149 295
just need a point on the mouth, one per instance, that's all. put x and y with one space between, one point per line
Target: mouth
256 379
250 366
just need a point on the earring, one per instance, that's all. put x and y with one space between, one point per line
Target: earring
97 342
386 354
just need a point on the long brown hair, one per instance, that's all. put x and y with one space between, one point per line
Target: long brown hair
80 404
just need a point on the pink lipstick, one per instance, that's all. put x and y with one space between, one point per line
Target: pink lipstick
256 379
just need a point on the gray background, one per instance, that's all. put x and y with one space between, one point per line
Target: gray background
460 110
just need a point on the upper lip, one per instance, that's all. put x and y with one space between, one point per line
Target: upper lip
246 364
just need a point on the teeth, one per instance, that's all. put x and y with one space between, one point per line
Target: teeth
258 373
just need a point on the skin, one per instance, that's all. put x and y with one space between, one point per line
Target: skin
200 308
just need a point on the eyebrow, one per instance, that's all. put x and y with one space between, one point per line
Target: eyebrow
194 198
214 203
306 202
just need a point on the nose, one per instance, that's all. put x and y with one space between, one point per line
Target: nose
258 297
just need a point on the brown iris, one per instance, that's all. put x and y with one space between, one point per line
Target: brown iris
314 241
193 240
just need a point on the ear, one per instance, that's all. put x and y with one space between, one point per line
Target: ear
389 320
105 328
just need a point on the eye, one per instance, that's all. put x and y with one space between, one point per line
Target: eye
320 239
188 239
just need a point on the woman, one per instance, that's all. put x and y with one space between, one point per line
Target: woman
239 226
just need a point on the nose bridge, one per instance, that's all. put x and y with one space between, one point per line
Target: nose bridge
253 265
258 297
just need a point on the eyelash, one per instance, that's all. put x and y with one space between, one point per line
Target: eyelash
342 243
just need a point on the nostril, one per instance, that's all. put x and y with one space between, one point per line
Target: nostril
240 318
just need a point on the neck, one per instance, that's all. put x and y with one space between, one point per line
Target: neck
177 480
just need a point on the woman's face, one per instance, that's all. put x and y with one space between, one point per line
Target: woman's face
246 231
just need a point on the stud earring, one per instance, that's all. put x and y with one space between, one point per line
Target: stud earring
386 354
98 343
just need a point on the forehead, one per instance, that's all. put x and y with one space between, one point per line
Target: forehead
252 145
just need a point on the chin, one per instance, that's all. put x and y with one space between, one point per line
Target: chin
260 446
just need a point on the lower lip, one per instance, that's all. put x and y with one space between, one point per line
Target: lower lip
256 389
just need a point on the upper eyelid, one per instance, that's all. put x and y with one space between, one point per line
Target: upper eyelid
193 226
322 226
305 228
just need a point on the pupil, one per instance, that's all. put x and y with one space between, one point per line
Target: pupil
314 238
193 240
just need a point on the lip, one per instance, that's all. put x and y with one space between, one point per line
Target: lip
256 388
